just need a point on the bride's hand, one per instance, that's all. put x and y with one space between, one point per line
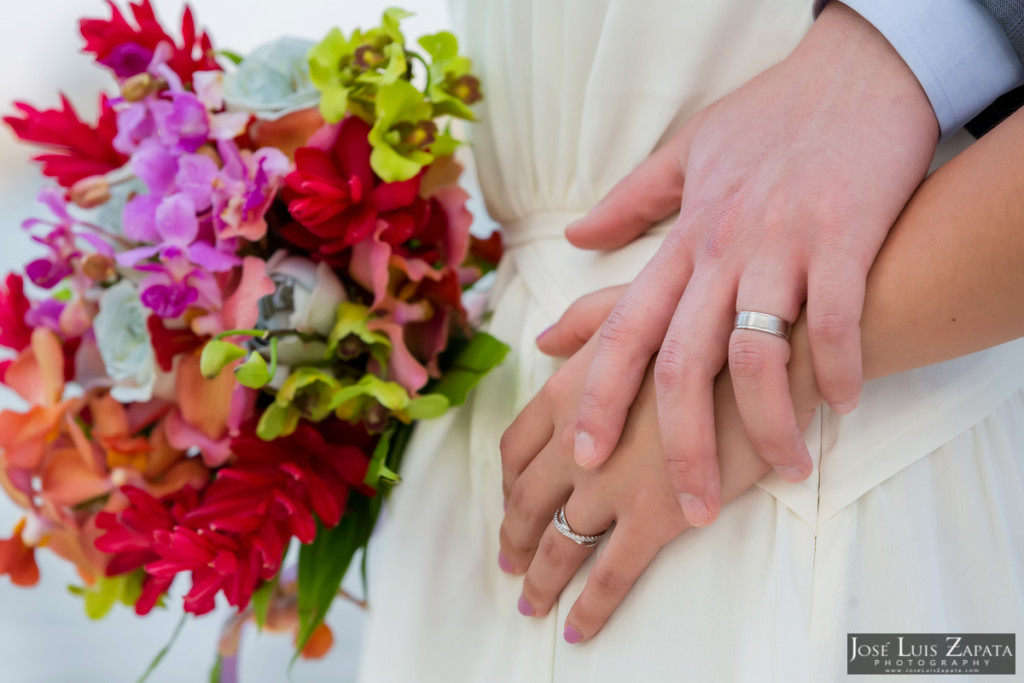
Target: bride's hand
631 489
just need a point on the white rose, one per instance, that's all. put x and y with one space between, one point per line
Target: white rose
273 80
124 343
306 299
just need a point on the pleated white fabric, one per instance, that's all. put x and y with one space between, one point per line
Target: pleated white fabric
913 520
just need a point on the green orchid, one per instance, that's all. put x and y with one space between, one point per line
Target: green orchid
403 130
351 336
347 71
307 393
452 86
356 401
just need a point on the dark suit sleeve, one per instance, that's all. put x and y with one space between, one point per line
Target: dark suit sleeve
1010 15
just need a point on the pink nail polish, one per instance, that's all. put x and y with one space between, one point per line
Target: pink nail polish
546 330
505 564
571 635
505 504
525 608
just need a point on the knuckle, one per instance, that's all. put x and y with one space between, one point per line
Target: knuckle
683 470
773 446
619 328
552 552
748 358
673 367
607 582
830 327
515 548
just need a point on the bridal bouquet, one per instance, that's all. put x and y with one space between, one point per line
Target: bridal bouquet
251 287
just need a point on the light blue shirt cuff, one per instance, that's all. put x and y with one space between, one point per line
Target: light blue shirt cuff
956 49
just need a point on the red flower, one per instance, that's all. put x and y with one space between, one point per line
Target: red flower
338 200
79 150
15 333
170 342
234 537
130 536
128 49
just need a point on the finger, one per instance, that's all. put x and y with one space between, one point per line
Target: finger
558 558
835 301
528 434
692 354
579 322
537 493
629 552
757 364
628 338
653 191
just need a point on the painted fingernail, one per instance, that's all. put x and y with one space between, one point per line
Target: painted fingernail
505 504
584 450
793 474
695 509
505 564
546 330
571 635
844 408
525 608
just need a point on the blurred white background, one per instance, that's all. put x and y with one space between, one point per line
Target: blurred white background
44 634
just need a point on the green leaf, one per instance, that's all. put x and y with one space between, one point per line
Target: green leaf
101 598
62 294
232 57
218 664
377 469
253 373
427 407
322 566
479 356
216 355
261 601
166 648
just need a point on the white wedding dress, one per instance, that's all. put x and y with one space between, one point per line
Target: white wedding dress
912 522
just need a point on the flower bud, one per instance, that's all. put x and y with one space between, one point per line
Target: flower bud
216 355
98 267
138 87
88 193
253 373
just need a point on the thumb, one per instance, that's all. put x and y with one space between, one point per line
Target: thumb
651 192
579 322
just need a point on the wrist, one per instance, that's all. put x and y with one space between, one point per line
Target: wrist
846 61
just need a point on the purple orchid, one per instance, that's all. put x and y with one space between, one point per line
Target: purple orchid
49 271
248 182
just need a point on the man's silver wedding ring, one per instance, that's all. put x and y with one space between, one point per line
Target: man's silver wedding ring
762 322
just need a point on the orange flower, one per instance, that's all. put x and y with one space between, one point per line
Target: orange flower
37 375
18 560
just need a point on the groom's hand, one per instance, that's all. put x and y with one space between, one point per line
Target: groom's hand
786 190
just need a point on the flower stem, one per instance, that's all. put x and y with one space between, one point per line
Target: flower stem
426 68
272 368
